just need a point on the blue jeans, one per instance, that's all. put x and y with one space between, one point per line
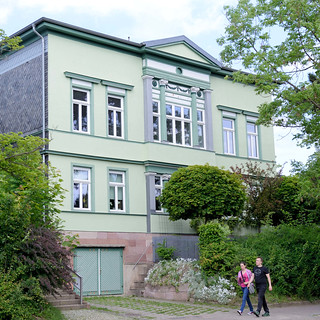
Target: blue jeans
245 299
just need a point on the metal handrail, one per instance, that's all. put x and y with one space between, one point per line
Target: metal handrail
145 250
78 284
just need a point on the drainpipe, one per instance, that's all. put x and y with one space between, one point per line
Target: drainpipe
43 89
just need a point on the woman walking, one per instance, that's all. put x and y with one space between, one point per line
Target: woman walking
244 275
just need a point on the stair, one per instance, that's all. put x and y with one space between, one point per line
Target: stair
138 285
67 300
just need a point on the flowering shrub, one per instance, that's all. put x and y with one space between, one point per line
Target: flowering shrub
177 272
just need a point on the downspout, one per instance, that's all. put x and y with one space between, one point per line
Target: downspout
43 89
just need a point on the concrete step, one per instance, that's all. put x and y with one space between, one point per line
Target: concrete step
66 300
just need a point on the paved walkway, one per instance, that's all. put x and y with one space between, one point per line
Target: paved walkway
303 311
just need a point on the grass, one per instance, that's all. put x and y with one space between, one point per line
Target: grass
152 306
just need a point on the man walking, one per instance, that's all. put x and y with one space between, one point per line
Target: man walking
261 275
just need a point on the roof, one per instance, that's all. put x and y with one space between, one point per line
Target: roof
181 39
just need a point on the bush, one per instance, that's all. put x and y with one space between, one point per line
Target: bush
216 249
200 287
19 299
292 255
164 252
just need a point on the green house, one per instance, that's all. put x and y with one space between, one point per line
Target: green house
121 118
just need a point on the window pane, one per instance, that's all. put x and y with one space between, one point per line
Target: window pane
169 130
115 177
230 142
177 111
110 123
158 203
156 128
118 124
75 117
199 115
200 135
84 119
157 180
80 95
187 134
178 132
169 110
186 113
114 102
76 195
251 128
85 196
79 174
155 106
225 142
228 124
112 198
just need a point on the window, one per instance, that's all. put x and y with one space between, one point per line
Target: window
115 116
201 128
178 124
117 191
81 110
156 120
158 190
81 188
228 136
252 132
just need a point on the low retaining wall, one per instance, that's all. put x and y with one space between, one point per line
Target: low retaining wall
167 292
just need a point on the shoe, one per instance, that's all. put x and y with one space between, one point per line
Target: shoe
267 314
256 313
240 312
250 313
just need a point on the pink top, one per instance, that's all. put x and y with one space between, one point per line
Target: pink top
246 278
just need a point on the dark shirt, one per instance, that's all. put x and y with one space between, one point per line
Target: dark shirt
260 274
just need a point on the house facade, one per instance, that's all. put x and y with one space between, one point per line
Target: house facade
121 118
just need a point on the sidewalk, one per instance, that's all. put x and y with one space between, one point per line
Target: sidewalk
303 311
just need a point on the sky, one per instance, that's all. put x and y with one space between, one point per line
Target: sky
202 21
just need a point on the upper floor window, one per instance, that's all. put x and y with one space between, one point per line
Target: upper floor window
252 132
156 120
81 110
228 136
81 188
117 190
115 117
201 128
178 124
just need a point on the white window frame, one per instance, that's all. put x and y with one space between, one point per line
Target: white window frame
156 115
116 186
114 110
174 118
158 187
203 124
81 183
252 139
230 133
80 104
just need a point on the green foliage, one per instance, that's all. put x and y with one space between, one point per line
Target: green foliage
277 42
203 191
292 255
216 249
260 182
30 240
8 44
164 252
19 299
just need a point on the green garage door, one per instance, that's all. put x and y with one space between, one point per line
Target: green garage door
101 270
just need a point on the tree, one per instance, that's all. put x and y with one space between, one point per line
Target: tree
279 68
203 191
30 195
260 184
8 44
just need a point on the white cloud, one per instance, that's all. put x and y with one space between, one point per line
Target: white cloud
5 10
